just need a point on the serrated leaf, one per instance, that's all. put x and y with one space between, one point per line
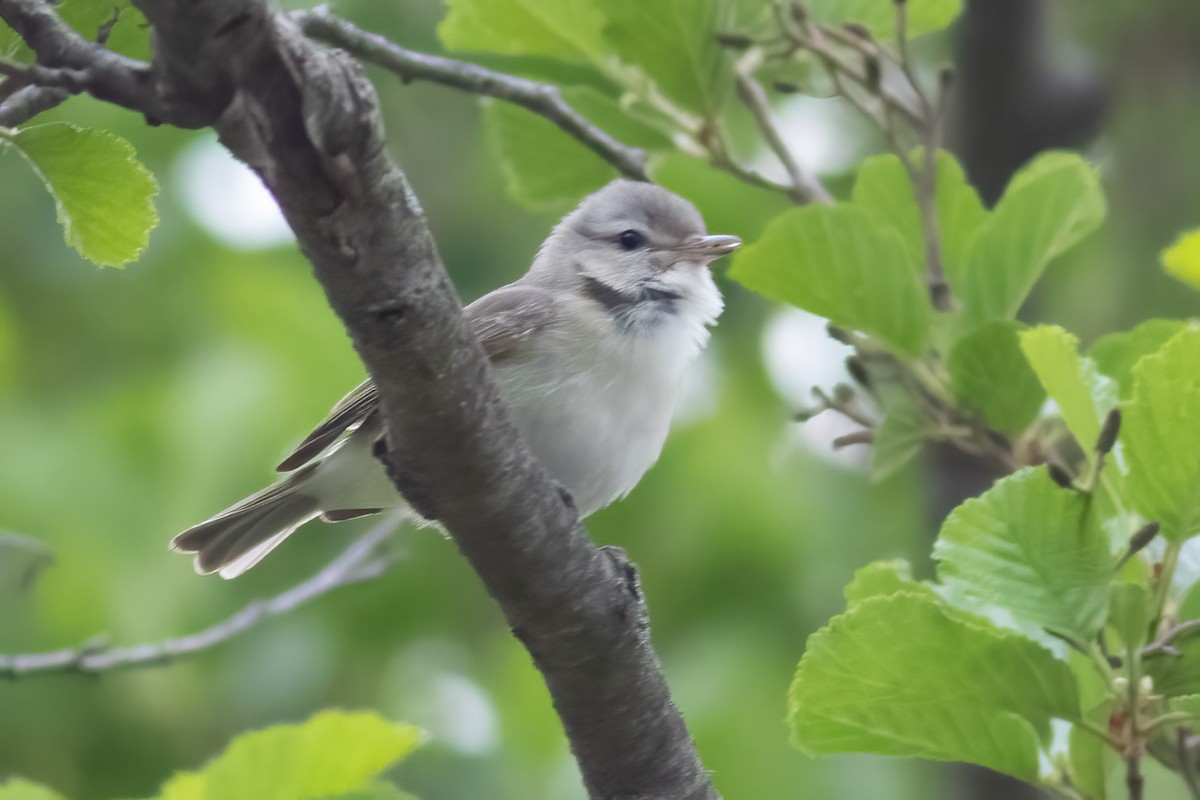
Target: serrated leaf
569 30
18 789
1032 548
103 194
990 375
1083 395
924 16
1048 207
838 262
1182 259
1161 433
884 189
1116 353
673 42
1187 704
904 675
882 578
333 753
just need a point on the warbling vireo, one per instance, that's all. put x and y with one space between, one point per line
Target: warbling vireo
589 348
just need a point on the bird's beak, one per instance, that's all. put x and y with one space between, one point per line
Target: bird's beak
711 246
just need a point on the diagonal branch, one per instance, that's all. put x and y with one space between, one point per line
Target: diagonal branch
544 99
361 561
306 120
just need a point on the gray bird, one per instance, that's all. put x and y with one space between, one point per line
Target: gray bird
588 347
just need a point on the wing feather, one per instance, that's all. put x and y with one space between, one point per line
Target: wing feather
501 320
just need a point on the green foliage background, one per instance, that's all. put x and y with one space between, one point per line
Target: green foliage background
135 403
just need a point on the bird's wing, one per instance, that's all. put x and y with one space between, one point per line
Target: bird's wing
501 320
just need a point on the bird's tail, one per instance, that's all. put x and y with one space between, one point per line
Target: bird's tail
239 537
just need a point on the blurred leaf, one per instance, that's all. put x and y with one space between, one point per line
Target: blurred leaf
990 375
904 675
674 43
1188 704
1090 762
103 194
17 789
130 36
884 188
333 753
924 16
564 29
1083 395
1116 353
1175 676
727 204
1161 432
838 262
1048 207
1033 548
1130 613
544 169
882 578
899 438
385 791
22 560
1182 259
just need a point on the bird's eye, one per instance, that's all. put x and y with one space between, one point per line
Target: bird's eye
630 240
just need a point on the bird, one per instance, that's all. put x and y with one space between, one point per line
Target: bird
588 348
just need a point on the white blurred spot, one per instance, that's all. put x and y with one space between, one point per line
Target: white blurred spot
465 718
799 355
227 199
819 132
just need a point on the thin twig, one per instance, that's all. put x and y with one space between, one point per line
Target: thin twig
1163 645
361 561
806 187
544 99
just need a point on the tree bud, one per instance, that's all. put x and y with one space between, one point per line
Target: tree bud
1108 433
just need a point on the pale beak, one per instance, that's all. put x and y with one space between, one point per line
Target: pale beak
711 246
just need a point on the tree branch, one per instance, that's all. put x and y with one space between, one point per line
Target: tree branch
544 99
361 561
306 120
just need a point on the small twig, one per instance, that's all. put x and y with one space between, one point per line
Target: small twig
806 187
359 562
856 437
1163 645
544 99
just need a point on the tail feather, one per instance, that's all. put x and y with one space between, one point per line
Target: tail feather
237 538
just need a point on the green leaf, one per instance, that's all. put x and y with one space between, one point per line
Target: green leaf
544 169
904 675
673 42
899 438
990 375
18 789
1033 548
1083 395
727 204
103 194
1188 704
384 791
130 36
924 16
1161 432
1182 259
1048 207
882 578
1130 614
838 262
570 30
1091 759
1116 353
1176 676
22 560
333 753
884 189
